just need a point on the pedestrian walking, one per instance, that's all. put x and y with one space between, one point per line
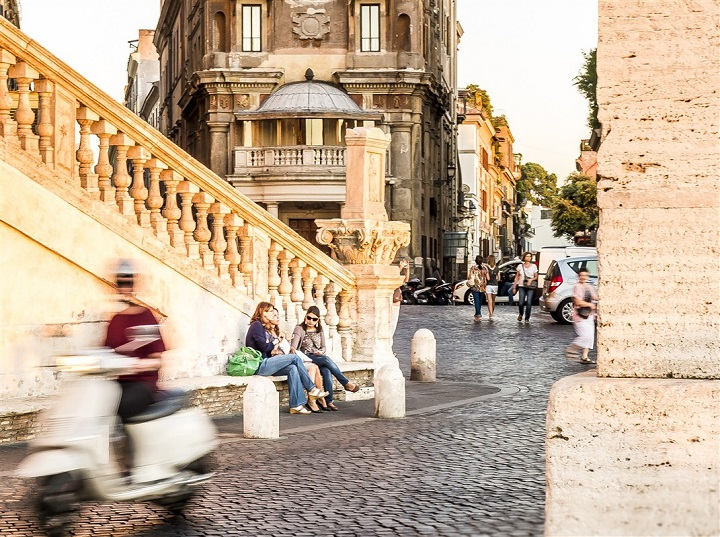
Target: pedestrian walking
491 287
477 281
397 300
584 299
309 338
526 280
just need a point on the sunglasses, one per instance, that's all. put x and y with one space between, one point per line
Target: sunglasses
308 318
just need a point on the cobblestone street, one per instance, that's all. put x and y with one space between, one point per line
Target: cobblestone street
476 468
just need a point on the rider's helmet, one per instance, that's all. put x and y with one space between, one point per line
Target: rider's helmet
126 272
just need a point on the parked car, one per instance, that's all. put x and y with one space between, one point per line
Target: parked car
507 270
562 275
546 255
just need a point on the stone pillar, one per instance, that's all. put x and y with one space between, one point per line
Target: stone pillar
219 147
273 208
365 241
635 448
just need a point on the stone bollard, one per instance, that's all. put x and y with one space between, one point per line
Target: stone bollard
389 392
422 356
261 409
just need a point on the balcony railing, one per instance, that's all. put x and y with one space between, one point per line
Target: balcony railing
247 158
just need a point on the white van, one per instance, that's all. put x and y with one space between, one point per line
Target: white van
548 254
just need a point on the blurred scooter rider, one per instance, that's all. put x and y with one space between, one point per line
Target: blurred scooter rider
138 388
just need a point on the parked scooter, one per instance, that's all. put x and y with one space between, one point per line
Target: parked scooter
72 457
408 290
434 292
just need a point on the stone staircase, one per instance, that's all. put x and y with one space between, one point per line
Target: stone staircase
84 181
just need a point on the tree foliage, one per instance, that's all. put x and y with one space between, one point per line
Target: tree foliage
536 185
475 93
586 83
575 208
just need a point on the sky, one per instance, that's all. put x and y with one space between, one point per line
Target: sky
525 53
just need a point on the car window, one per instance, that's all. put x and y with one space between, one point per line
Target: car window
589 264
551 271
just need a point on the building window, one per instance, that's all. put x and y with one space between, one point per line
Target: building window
251 28
370 27
402 36
546 214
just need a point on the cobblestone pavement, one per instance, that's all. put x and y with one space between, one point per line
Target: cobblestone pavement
473 469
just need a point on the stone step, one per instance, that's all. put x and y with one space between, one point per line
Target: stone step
218 395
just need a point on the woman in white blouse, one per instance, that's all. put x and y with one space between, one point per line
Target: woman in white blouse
526 280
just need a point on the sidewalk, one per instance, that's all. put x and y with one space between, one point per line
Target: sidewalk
420 397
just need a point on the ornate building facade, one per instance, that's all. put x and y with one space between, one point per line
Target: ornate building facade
262 91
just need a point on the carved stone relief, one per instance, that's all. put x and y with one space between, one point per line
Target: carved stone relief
312 24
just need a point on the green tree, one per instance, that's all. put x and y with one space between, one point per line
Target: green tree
575 208
586 83
536 185
472 91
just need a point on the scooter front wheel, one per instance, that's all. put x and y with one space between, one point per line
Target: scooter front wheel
56 502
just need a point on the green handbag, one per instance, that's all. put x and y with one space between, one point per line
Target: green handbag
244 362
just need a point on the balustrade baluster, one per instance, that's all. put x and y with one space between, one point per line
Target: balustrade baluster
155 200
232 255
187 191
121 178
103 168
24 75
171 212
331 320
342 157
202 201
345 325
84 155
44 89
274 279
286 287
297 295
139 193
308 278
8 126
320 284
246 263
218 244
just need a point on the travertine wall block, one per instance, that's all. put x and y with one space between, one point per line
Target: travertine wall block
633 457
659 189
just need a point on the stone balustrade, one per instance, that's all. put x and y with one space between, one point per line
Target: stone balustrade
249 159
116 159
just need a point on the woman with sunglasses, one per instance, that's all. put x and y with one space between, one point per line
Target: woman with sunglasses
309 338
261 337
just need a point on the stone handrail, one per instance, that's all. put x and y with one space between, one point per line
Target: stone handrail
163 190
51 68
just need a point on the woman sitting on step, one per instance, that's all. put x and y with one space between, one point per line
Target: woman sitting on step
309 338
312 369
260 336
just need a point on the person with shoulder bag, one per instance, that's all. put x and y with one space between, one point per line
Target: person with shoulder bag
477 281
584 299
526 280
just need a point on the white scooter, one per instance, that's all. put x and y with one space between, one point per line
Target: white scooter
73 457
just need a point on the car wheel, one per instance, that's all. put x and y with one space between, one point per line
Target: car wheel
469 298
564 312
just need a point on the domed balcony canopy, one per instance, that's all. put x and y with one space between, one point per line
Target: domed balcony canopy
309 99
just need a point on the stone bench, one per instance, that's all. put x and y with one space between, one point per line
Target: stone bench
219 395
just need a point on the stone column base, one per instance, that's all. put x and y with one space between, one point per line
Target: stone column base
630 456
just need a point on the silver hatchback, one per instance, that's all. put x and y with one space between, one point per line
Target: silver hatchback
561 277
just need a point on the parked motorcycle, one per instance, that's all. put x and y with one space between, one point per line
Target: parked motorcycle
436 292
72 457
